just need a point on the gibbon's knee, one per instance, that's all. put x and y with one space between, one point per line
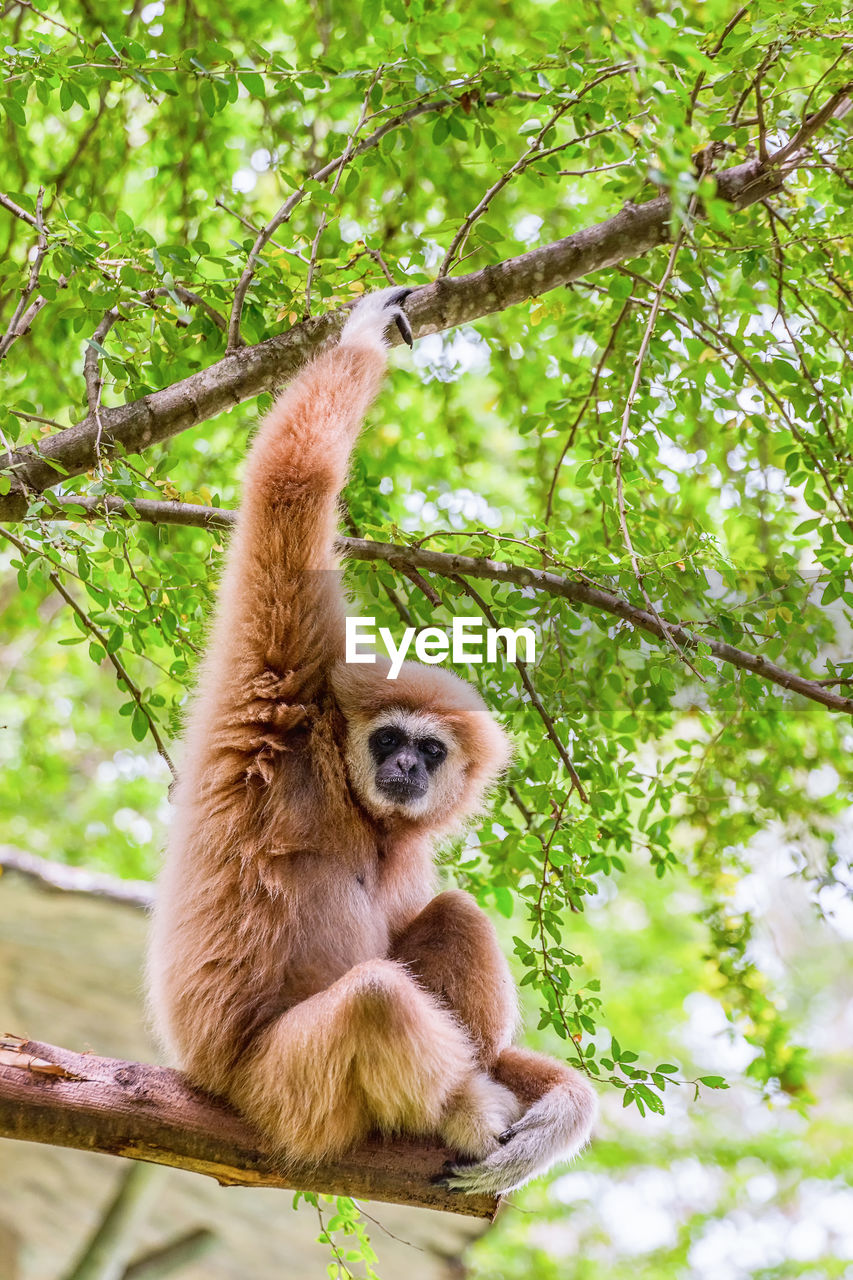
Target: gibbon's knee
372 1051
452 949
530 1075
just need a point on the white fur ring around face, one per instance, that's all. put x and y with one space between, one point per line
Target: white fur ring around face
371 317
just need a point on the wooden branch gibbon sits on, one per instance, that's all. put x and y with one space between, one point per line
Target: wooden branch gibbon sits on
300 964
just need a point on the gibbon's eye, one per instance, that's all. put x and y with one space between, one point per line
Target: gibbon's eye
387 738
434 750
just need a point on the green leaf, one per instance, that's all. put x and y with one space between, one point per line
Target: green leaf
14 110
139 724
503 900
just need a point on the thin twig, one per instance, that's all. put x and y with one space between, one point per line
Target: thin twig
538 910
541 710
346 156
728 344
532 153
92 358
190 299
18 212
46 17
113 658
762 127
626 420
587 398
250 226
320 175
326 1238
700 79
769 58
24 312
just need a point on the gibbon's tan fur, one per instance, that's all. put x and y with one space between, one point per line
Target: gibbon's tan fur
300 964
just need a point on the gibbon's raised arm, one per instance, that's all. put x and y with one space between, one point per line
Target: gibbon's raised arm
281 604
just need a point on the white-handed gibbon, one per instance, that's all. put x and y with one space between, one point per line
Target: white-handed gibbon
300 964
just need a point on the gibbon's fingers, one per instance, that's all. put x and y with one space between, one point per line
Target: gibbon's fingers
394 306
402 322
552 1129
395 309
372 315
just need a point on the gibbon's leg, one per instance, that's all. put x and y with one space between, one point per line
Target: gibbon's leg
561 1107
372 1051
452 949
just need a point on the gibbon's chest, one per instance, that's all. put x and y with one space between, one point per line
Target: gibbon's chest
363 882
342 907
334 918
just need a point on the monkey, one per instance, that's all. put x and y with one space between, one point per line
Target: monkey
300 963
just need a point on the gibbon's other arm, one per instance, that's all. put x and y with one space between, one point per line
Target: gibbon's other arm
281 608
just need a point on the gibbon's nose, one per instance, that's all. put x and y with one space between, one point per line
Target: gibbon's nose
407 763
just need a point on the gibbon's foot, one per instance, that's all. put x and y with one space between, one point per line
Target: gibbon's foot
476 1115
554 1128
370 318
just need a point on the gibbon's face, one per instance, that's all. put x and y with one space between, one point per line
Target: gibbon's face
405 762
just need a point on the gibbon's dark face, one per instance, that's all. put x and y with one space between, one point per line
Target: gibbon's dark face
405 762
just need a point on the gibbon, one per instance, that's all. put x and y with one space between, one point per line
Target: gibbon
300 965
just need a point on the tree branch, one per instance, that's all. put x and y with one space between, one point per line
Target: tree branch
264 235
171 1257
579 591
449 565
106 1252
539 706
17 211
445 304
142 1112
532 153
62 878
25 312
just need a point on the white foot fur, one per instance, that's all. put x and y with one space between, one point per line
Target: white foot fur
554 1128
477 1115
371 318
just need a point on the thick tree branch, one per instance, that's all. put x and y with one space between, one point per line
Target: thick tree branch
60 877
448 565
445 304
143 1112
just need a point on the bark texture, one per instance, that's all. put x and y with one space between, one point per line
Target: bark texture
143 1112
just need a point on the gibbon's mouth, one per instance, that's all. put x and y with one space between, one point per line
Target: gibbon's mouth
402 789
